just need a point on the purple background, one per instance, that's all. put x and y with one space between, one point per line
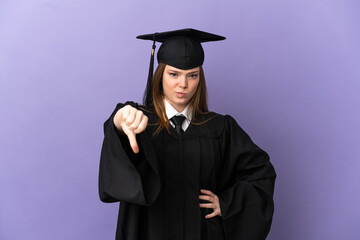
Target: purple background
289 72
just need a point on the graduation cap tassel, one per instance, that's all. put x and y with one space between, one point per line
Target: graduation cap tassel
147 99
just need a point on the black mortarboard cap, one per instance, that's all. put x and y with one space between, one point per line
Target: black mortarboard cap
180 49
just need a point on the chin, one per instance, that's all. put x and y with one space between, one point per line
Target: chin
184 102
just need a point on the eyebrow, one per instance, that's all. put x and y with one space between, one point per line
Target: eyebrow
174 71
170 70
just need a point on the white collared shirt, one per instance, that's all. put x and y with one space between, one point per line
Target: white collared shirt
171 111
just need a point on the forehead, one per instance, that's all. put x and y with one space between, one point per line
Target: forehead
171 68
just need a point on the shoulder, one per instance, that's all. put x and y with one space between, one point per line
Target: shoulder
214 124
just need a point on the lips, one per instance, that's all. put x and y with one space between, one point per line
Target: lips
180 94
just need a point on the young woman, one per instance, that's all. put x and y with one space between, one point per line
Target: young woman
179 170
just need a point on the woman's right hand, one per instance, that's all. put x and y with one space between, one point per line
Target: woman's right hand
130 121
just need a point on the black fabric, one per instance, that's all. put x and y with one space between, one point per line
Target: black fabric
181 48
189 32
178 120
158 188
182 52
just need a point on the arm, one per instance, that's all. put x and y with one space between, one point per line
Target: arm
248 177
124 175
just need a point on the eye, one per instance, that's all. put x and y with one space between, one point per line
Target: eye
173 74
193 75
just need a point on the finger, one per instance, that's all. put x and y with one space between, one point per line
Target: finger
133 143
208 192
213 214
138 117
124 113
131 117
206 197
207 205
142 125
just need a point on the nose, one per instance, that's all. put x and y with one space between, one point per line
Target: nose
183 82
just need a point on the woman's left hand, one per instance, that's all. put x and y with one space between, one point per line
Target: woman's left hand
215 204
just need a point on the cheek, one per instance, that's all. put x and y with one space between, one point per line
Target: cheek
194 86
166 84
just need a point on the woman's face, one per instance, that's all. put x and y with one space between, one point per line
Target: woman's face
180 85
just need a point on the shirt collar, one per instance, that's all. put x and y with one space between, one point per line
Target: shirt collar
171 111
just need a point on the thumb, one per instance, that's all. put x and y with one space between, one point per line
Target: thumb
133 143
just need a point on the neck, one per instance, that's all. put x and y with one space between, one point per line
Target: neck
178 108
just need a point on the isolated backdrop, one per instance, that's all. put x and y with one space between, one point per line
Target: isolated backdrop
288 72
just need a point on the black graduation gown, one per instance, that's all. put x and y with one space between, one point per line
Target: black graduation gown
159 187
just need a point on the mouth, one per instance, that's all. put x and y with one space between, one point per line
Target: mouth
180 94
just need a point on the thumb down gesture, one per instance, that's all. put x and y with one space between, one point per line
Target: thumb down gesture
130 121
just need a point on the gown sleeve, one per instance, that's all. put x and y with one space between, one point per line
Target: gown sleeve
247 177
124 175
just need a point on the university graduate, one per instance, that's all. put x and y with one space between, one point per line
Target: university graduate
180 171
